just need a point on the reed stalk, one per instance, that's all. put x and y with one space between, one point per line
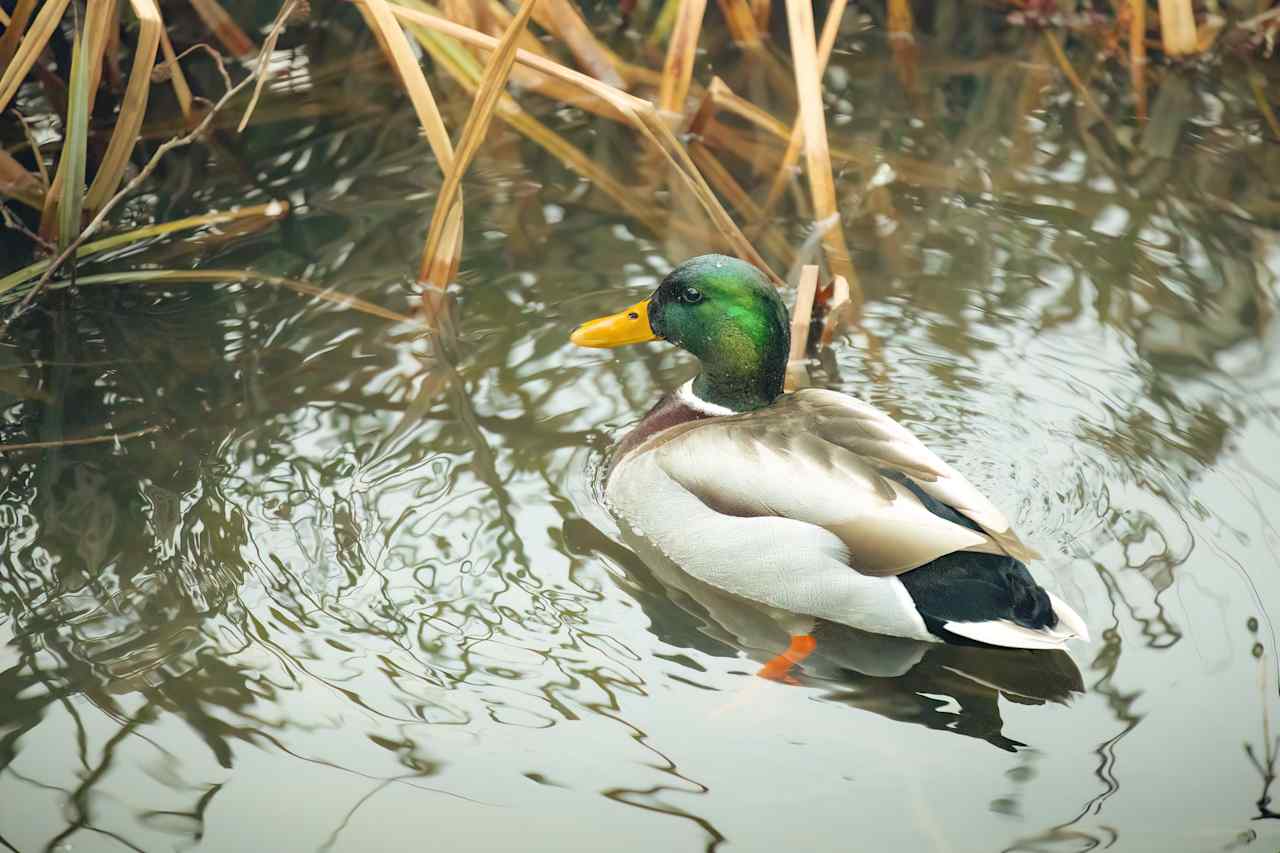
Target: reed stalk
14 28
817 155
133 107
1177 28
29 48
677 71
797 375
795 140
437 264
225 29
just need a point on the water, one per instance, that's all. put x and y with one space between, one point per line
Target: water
340 597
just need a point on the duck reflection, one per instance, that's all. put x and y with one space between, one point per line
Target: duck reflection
940 686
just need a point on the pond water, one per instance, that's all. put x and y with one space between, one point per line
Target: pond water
337 594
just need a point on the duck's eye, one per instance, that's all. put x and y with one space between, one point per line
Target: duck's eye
691 296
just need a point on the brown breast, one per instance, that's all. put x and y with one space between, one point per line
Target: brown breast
669 412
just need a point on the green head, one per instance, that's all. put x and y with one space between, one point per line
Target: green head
722 310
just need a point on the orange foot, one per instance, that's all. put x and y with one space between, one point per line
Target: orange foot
779 668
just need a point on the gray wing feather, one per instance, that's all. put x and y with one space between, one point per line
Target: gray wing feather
820 457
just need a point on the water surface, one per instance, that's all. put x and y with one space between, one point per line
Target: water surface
342 595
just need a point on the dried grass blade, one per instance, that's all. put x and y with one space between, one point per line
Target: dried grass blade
65 199
19 184
720 96
795 142
817 154
639 112
741 20
661 135
568 24
762 9
616 97
181 90
29 47
264 56
463 67
677 71
436 269
1177 27
724 182
240 277
271 210
801 317
14 28
133 108
379 16
225 29
380 19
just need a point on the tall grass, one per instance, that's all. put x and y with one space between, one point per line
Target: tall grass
483 45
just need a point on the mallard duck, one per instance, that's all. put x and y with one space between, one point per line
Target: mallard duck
812 503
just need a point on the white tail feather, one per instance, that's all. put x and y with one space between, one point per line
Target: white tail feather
1002 632
1068 618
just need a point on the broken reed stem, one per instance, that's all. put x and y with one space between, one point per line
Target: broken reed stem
379 16
795 142
19 184
1177 27
436 270
801 319
720 96
840 311
817 153
677 70
177 79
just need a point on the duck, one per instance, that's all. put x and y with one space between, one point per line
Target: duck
812 503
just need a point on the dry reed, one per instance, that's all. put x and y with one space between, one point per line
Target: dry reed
699 169
817 154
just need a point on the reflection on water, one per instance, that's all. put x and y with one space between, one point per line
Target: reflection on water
335 596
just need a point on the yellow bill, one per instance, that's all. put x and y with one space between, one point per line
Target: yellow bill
628 326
